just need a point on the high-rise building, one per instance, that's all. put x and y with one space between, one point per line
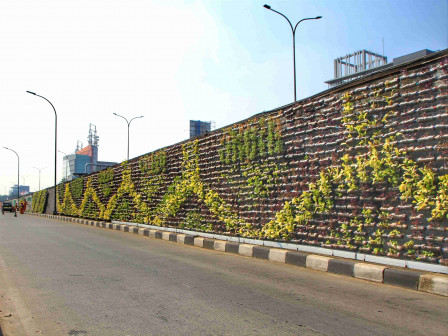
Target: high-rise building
198 127
23 190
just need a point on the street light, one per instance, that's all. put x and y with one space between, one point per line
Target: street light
24 179
18 179
293 41
55 146
66 159
39 169
129 123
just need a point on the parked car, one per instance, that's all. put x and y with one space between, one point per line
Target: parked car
7 206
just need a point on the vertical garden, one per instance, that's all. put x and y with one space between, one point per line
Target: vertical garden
360 169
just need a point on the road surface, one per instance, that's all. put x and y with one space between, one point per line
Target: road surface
61 278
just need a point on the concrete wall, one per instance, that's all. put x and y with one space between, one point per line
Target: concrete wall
49 209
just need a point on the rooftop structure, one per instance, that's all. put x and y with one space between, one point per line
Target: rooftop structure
363 62
84 160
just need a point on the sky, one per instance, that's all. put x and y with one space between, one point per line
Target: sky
173 61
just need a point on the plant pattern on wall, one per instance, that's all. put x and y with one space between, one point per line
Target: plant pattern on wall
365 169
39 201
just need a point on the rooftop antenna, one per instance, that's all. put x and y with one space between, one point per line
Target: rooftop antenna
92 138
79 146
383 45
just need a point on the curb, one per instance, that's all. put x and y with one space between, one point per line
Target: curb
436 284
433 283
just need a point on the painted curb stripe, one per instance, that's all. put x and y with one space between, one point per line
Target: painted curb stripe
219 245
232 247
246 250
369 272
208 244
261 252
189 240
199 242
401 278
339 266
277 255
317 262
433 284
296 258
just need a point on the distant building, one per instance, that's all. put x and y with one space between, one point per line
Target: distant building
85 160
23 190
363 62
198 127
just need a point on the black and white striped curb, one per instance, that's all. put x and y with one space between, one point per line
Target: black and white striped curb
426 282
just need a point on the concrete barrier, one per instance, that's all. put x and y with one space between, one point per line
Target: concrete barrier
261 252
232 247
436 284
369 272
317 262
340 266
277 255
402 278
296 258
208 243
220 245
246 250
199 242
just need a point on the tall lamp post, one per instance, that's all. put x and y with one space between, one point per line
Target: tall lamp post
129 123
66 159
293 41
18 179
39 169
55 146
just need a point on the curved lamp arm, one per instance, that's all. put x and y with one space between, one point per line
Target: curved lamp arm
55 142
18 177
129 123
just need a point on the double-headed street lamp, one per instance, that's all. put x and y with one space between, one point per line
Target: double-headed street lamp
293 41
129 123
55 146
18 178
39 169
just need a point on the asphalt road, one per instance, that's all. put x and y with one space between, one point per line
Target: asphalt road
60 278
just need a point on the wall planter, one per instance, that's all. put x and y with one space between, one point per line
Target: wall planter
329 171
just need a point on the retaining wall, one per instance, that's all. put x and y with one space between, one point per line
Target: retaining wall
362 167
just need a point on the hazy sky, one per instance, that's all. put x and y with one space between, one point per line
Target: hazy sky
172 61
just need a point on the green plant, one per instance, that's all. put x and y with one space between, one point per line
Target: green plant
426 254
39 201
76 187
409 245
395 233
410 177
105 178
425 189
154 163
440 210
